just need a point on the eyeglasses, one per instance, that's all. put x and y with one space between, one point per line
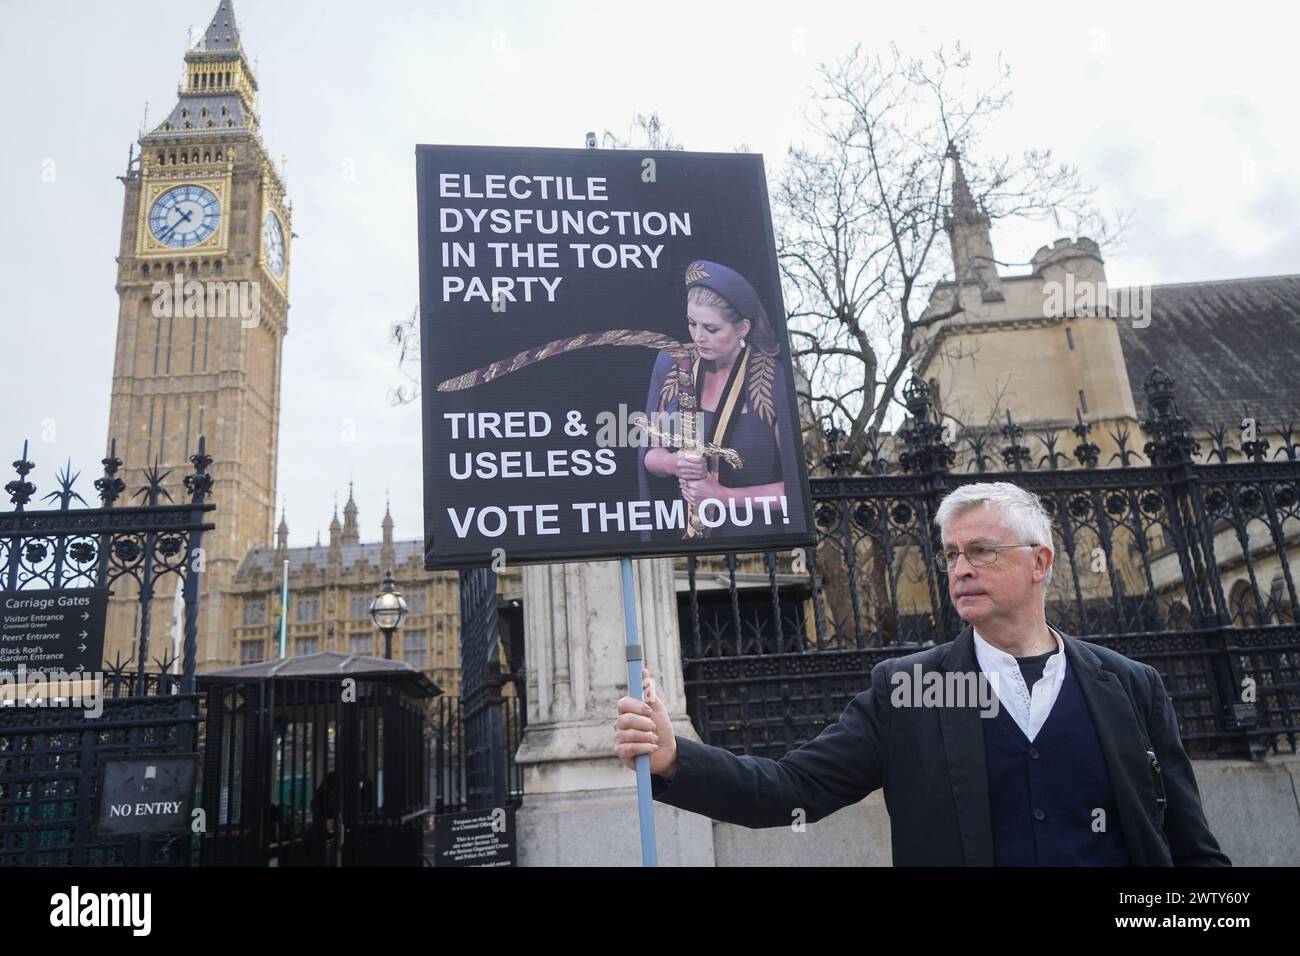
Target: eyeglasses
979 555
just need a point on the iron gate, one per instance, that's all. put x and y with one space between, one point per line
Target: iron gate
1177 562
50 756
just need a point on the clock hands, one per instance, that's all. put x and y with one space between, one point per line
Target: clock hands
185 217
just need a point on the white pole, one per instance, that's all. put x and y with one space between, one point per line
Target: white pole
284 608
178 615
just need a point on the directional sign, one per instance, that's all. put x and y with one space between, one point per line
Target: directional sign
60 630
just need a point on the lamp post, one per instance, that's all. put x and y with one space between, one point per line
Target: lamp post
388 610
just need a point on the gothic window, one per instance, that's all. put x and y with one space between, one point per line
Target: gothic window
1280 601
162 159
309 607
230 123
306 645
224 111
251 652
362 644
145 270
360 606
415 645
254 611
1179 617
184 113
1242 604
417 602
217 267
210 123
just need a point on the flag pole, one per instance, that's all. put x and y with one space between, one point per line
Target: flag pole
284 607
635 658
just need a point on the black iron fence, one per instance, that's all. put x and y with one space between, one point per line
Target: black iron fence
460 783
51 755
305 771
1173 556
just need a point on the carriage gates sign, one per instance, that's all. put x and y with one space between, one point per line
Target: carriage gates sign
56 630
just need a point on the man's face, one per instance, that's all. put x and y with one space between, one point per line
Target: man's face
1005 590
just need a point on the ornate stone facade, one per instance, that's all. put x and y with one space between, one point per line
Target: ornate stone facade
330 589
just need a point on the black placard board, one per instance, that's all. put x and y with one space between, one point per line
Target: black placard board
564 293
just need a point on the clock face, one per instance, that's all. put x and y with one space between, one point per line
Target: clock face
273 244
184 216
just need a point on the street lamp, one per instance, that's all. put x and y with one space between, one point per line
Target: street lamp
388 610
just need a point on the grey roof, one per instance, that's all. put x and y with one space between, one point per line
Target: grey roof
222 34
351 555
1227 345
193 103
325 664
220 40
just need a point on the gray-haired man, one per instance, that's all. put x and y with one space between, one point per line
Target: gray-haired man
1078 763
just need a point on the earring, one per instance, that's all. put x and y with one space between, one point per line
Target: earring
742 343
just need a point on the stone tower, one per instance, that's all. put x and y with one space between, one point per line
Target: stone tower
1044 346
967 225
203 273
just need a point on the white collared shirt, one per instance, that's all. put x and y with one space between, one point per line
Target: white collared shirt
1028 709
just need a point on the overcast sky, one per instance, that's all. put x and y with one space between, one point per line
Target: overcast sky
1182 113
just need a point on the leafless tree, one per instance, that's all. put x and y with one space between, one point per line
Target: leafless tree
860 215
406 336
646 132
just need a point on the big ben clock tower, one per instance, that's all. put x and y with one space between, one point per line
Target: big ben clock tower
203 277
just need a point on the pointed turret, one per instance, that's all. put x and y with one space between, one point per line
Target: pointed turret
222 34
218 91
351 529
967 224
282 534
336 529
387 553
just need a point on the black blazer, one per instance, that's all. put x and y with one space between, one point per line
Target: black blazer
930 762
